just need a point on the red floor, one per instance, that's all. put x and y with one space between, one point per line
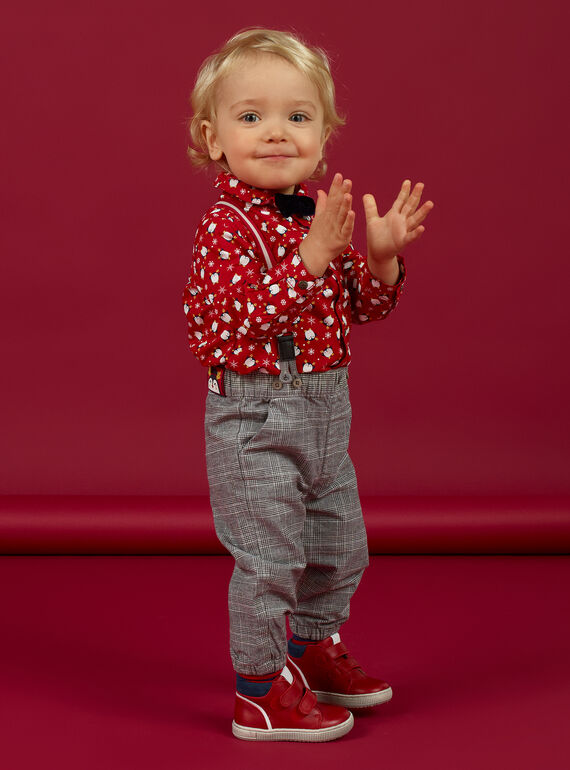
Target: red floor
113 663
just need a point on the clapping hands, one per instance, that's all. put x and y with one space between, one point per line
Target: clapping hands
333 224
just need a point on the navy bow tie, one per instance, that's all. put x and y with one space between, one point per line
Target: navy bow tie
288 205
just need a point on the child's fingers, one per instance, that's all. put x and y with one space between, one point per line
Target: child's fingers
345 206
321 202
336 186
370 207
413 235
348 226
343 211
338 208
413 201
403 196
420 215
337 190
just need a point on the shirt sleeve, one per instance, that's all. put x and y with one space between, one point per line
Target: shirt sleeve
371 298
231 290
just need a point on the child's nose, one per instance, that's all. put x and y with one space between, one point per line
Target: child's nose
275 131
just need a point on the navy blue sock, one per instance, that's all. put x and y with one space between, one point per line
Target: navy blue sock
297 644
257 686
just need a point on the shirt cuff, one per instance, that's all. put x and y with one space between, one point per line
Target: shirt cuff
388 288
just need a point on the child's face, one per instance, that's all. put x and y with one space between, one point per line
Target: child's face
269 124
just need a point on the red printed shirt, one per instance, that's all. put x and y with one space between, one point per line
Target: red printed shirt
236 305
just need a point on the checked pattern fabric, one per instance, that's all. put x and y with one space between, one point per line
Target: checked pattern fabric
285 503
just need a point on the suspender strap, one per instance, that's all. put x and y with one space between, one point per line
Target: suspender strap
285 342
252 227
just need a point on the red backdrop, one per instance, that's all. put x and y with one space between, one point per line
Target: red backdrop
463 390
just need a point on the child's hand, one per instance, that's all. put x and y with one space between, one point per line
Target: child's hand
331 229
400 226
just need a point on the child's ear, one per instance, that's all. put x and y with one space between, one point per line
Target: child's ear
210 138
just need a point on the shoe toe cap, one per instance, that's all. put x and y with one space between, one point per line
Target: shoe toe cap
333 715
359 683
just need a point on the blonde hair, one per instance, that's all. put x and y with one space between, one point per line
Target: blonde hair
311 61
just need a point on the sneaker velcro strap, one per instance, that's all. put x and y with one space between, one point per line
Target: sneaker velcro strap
348 664
337 650
307 702
291 696
342 657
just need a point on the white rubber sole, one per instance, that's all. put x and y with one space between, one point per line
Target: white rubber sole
285 734
355 701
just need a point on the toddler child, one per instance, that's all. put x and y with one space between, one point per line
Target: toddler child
274 286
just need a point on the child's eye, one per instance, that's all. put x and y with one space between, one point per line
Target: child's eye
249 117
298 117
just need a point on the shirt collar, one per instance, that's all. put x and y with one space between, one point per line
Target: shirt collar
228 183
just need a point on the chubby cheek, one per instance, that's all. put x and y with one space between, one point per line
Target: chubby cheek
313 143
238 147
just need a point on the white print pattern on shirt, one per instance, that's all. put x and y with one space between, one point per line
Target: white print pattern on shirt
241 275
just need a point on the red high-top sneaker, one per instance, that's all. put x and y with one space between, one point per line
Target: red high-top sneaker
334 675
289 712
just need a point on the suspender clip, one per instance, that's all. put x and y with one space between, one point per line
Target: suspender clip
286 345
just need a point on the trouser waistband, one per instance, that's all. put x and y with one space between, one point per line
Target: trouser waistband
230 383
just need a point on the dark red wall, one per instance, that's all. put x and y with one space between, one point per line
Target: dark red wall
464 390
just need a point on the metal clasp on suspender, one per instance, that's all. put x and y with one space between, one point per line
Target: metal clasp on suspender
289 373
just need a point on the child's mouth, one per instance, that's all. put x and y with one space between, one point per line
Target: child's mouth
275 157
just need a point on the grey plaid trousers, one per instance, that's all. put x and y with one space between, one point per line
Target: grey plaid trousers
285 503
